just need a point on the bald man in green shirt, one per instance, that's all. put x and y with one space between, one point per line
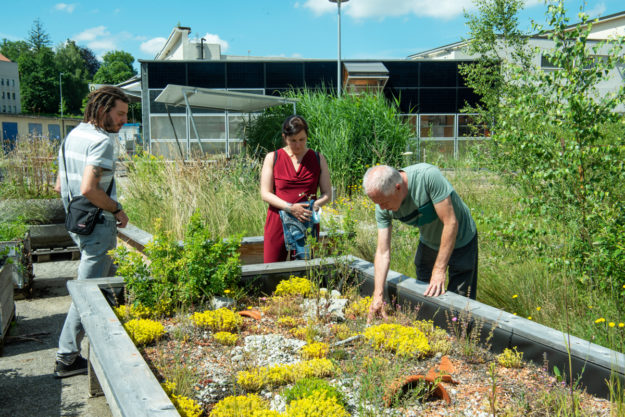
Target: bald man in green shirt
420 196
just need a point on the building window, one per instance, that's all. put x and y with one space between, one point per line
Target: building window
13 96
437 126
35 129
3 95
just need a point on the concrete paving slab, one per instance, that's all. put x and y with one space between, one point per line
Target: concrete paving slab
27 384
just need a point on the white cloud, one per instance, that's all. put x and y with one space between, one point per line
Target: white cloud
364 9
212 38
64 7
92 34
103 45
99 39
152 46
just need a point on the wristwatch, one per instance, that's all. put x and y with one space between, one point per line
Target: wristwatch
288 207
119 208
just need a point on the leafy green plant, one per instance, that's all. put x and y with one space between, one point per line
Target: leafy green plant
12 230
554 133
179 274
305 387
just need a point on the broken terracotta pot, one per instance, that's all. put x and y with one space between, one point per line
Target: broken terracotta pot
436 374
255 314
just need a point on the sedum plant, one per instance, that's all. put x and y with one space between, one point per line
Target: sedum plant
510 358
314 350
240 406
403 340
220 320
318 404
258 378
186 406
226 338
358 308
144 331
294 286
311 387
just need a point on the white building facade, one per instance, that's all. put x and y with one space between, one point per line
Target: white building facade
10 101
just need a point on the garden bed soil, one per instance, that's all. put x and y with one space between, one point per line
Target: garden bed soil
526 391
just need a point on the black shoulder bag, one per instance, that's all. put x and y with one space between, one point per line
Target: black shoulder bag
82 215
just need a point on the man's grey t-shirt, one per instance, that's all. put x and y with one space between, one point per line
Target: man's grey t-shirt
87 145
427 186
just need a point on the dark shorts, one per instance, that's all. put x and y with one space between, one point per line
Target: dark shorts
462 267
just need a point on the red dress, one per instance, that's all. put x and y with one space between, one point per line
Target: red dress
293 187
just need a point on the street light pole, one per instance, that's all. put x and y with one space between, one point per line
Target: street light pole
61 90
338 63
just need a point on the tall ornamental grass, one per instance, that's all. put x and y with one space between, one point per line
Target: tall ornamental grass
28 170
353 132
226 194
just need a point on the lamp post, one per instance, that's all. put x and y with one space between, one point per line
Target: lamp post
338 64
61 91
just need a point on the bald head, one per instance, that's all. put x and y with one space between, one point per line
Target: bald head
381 179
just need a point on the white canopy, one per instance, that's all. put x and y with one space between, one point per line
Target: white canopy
185 96
218 99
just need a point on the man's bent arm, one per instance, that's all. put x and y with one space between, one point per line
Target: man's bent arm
91 190
380 267
445 212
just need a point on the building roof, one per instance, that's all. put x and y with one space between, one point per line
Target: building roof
460 44
366 68
180 95
4 58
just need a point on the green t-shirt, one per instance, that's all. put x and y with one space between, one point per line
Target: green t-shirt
427 186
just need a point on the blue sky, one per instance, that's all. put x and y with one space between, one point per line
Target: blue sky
371 29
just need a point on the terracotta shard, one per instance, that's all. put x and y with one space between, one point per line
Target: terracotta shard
409 382
436 374
443 371
255 314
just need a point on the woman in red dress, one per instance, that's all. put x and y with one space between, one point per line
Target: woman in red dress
289 178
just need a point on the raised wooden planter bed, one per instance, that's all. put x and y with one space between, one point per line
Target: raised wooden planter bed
251 251
7 304
18 252
132 390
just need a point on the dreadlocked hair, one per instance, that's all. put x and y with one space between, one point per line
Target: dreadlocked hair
101 101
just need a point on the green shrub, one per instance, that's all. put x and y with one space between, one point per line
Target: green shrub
179 275
306 387
12 230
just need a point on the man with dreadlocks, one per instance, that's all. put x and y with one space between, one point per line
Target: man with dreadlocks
88 159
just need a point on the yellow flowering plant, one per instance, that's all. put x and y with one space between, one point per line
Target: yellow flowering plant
257 378
294 286
403 340
220 320
144 331
226 338
510 358
314 350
